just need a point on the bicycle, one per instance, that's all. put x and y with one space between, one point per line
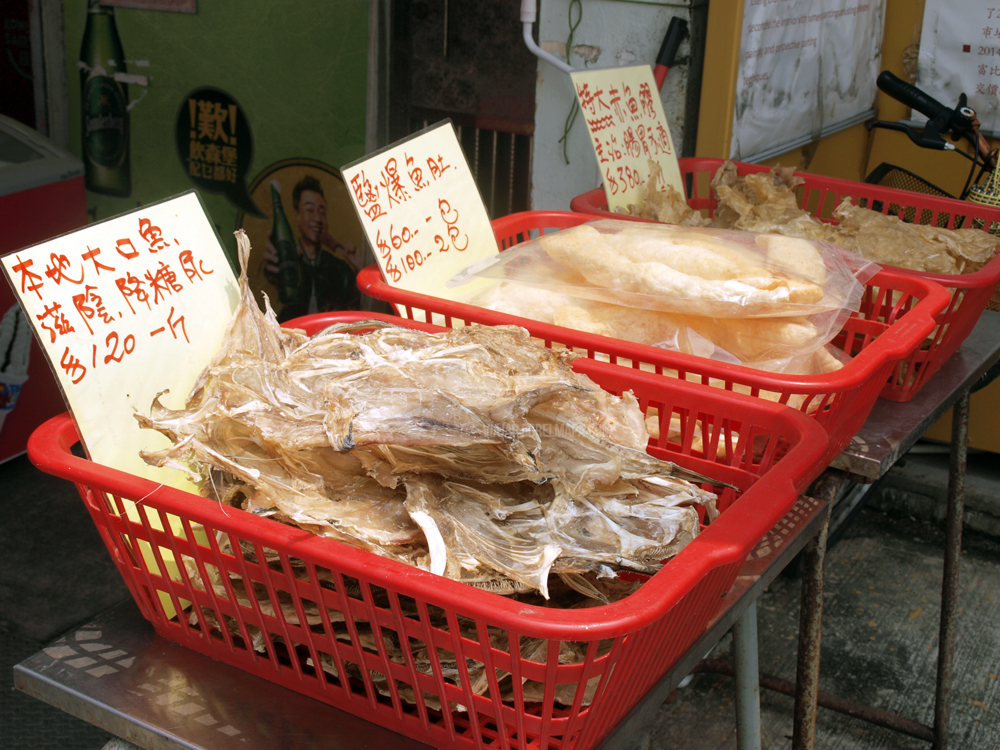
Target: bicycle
961 123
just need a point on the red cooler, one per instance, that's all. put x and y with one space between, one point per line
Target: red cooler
41 196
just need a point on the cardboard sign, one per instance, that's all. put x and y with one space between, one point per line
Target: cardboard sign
627 128
421 211
123 310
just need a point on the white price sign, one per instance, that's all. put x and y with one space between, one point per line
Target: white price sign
123 310
421 211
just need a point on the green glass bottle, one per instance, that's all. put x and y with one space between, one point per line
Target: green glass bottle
283 240
104 105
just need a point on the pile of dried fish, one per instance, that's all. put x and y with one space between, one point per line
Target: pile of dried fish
473 453
766 202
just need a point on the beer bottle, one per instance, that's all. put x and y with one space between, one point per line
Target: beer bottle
289 276
104 105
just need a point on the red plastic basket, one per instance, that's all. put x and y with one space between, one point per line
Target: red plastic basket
970 293
896 315
769 452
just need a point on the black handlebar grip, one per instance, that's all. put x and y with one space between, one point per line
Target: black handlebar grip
909 94
675 34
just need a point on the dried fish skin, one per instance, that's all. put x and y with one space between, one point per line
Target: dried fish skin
464 536
472 373
522 536
619 528
578 450
362 509
665 205
472 453
767 202
634 527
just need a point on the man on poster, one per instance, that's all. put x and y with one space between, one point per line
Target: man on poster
328 268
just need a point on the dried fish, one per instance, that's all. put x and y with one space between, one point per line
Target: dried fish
471 453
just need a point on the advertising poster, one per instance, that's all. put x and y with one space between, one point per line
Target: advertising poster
226 98
309 245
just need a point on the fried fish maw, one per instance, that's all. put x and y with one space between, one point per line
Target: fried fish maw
678 266
748 340
793 255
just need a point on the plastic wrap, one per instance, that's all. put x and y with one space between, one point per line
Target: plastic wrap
765 301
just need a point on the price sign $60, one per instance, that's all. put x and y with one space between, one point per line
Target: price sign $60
404 260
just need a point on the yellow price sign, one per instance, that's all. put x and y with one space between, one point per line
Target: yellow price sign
124 309
628 129
421 211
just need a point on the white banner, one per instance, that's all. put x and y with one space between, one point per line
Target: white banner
960 53
807 69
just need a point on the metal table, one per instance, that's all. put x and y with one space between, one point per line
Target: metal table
890 430
116 673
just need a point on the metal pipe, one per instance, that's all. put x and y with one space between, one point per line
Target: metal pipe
747 685
832 702
952 563
811 620
528 15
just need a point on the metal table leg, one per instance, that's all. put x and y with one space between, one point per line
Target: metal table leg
745 668
811 624
807 694
952 561
747 683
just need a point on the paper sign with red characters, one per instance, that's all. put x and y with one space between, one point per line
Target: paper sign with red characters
421 211
123 310
628 129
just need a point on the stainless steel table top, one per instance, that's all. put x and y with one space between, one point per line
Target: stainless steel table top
115 672
892 428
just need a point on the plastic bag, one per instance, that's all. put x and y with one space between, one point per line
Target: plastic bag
686 270
764 301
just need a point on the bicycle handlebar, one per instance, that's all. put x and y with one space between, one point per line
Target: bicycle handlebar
961 122
909 95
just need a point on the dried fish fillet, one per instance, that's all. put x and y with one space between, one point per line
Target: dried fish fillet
472 453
